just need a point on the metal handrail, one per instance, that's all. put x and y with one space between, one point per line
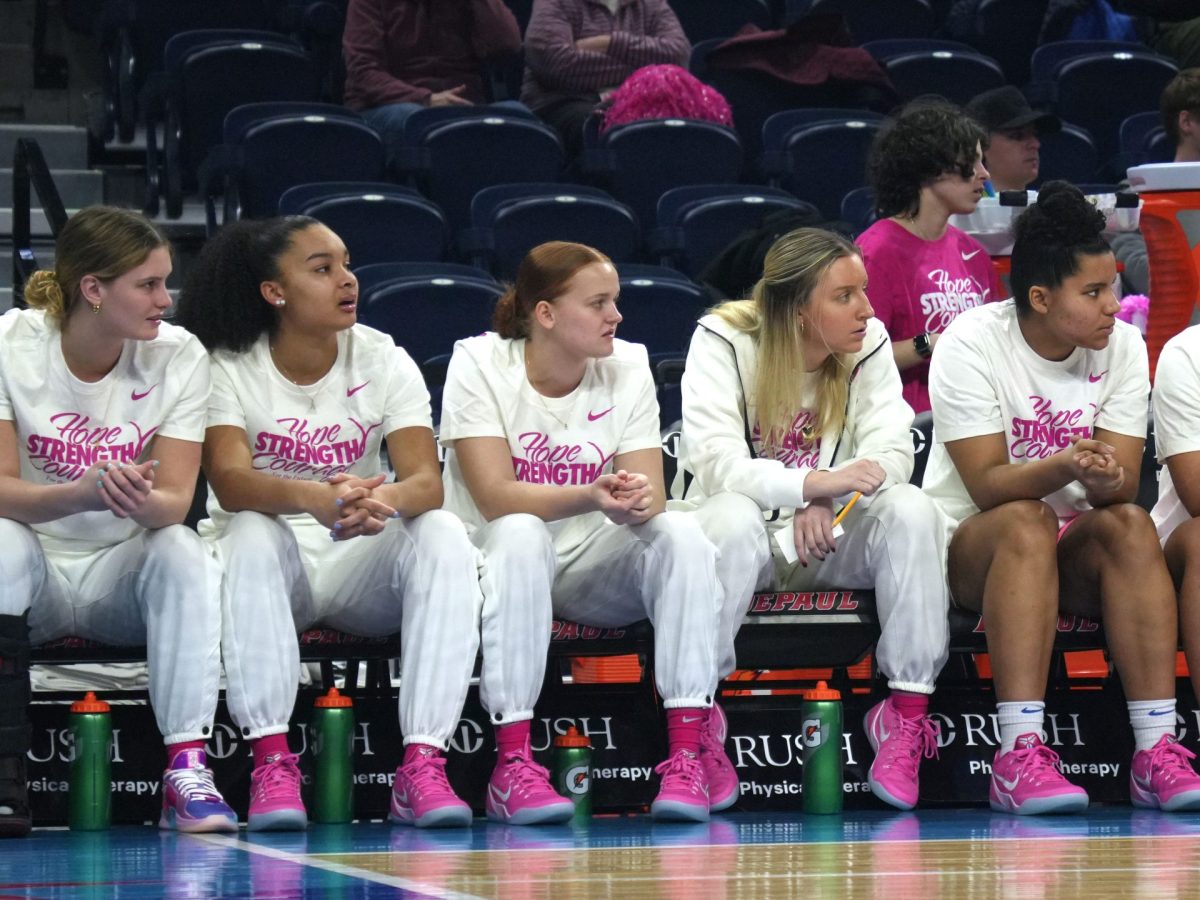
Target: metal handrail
30 169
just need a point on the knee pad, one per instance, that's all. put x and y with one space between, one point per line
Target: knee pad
14 685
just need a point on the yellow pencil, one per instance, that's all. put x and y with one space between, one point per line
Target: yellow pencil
845 509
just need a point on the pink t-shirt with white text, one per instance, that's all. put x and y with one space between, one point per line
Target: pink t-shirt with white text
985 379
917 286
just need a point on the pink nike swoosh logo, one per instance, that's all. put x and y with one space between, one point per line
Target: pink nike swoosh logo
593 416
350 392
1094 378
134 395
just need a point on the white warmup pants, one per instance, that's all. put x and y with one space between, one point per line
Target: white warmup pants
160 587
896 545
664 570
419 576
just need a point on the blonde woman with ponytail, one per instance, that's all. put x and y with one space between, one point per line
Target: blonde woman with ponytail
792 400
102 414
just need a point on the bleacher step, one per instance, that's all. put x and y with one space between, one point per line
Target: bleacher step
63 146
77 188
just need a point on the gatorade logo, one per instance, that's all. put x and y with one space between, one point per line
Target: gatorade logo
577 780
812 733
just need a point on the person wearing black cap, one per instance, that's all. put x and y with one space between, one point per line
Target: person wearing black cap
1014 132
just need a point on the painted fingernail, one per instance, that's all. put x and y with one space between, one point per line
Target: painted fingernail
396 515
100 483
338 501
154 463
337 526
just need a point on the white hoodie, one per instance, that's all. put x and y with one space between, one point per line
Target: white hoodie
715 453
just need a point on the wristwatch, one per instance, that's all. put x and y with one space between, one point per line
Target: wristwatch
922 345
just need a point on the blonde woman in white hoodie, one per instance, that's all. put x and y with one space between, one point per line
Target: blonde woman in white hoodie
792 399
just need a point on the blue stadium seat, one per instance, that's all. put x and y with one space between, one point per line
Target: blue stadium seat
1049 57
259 160
1007 31
818 161
660 313
705 19
640 161
1099 91
858 208
507 221
885 48
453 158
1144 140
871 20
956 76
1069 154
426 315
372 275
205 80
697 222
379 222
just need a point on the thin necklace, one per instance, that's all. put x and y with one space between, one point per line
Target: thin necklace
312 396
546 406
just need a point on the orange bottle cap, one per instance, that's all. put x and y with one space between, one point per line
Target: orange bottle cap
333 699
571 739
89 704
822 692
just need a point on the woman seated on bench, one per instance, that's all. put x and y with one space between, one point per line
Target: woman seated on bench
102 409
308 527
792 401
554 460
1039 407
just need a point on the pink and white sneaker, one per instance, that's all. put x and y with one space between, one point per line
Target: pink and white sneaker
1162 777
899 744
723 784
1026 781
191 802
275 803
422 796
683 793
519 793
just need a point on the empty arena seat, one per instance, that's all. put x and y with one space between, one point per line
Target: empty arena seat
1048 58
1069 154
870 20
660 313
819 155
858 208
956 76
705 19
1143 139
372 275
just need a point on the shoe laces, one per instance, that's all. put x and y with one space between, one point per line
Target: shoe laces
682 765
526 774
912 739
427 774
279 776
1038 764
195 783
1170 759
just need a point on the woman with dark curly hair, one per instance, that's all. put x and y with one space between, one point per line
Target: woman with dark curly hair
1039 407
925 166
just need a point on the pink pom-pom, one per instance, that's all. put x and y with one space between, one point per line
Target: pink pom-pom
1135 309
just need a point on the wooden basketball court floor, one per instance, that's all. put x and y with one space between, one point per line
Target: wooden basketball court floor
966 853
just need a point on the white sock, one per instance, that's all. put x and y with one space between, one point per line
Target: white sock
1018 718
1151 719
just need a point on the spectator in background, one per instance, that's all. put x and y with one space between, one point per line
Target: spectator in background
925 166
1014 133
577 52
402 55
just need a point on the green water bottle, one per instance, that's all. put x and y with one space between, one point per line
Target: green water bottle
821 714
573 771
332 730
89 800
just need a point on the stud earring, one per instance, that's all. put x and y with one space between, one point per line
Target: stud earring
96 308
280 302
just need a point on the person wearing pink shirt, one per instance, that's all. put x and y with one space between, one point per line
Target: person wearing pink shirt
925 166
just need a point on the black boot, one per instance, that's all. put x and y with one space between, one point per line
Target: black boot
15 819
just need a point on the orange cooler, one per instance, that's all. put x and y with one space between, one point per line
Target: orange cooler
1170 222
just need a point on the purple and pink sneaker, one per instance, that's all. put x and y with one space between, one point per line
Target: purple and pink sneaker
1026 781
723 784
1163 778
900 744
191 802
422 796
519 793
275 803
683 793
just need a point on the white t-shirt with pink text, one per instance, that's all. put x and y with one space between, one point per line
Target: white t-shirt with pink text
1176 421
313 432
158 388
799 448
985 379
553 440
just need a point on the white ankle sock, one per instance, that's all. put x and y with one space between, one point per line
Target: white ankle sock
1151 719
1018 718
